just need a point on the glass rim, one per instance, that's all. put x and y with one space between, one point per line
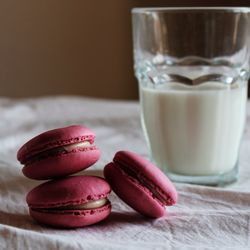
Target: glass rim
232 9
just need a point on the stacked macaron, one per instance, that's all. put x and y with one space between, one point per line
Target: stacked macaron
77 201
73 201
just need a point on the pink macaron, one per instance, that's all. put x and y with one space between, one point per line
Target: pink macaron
58 152
140 184
70 202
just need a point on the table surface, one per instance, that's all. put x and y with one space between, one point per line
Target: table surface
205 217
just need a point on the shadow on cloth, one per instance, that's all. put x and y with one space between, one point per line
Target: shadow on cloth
16 220
117 218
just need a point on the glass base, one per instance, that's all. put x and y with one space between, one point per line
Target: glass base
210 180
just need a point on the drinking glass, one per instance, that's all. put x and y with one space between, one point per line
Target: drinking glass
192 65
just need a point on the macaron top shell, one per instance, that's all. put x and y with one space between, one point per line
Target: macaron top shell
73 190
54 138
140 184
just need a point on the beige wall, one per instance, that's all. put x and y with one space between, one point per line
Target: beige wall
66 47
69 47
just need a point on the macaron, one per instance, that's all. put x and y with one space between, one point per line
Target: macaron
140 184
58 152
70 202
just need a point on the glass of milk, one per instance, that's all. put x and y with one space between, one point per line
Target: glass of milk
192 65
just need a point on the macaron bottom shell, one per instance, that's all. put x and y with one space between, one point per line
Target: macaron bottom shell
70 218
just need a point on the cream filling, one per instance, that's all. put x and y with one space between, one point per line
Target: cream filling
85 206
88 205
82 144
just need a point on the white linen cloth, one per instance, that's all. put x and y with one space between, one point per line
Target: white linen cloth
204 218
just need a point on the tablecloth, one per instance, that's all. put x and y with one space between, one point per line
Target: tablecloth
204 218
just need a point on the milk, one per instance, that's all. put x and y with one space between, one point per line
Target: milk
194 131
